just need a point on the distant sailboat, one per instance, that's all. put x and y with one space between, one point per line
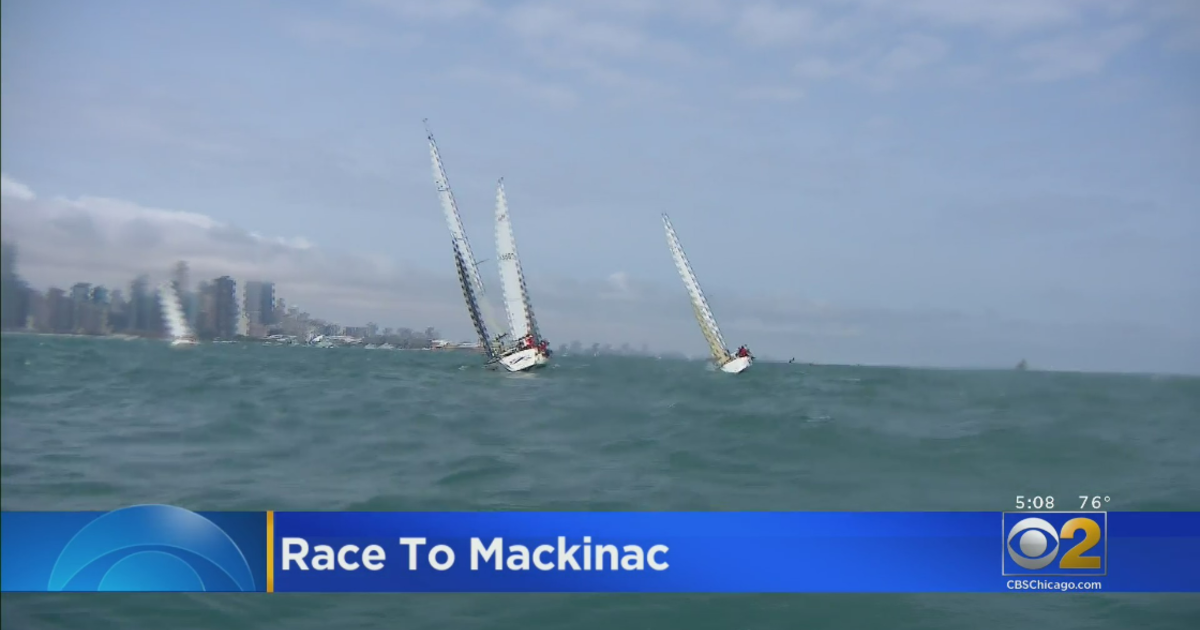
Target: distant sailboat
708 324
177 327
1022 366
530 349
466 264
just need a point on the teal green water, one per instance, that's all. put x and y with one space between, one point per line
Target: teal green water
101 423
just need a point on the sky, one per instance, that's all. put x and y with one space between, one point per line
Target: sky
921 182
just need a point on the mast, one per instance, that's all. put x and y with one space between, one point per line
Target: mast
474 292
704 316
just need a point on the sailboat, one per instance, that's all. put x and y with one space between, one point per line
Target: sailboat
530 350
724 360
467 266
177 327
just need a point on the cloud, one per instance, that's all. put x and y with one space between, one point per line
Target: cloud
776 93
15 189
1003 17
607 46
110 241
550 94
880 69
820 68
436 9
768 24
346 34
1077 55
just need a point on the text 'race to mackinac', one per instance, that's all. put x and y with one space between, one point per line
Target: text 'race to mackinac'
297 554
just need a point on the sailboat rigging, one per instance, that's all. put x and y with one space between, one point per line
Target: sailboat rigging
465 263
724 360
177 327
531 350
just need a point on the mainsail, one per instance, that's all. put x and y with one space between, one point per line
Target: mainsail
473 306
473 289
172 309
521 321
708 323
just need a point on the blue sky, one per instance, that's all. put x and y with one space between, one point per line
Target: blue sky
928 182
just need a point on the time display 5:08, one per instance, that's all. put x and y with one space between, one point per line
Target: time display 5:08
1035 502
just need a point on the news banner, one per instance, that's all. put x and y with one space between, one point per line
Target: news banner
1040 545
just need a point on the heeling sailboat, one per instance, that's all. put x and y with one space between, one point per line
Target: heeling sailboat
530 350
467 266
177 328
708 324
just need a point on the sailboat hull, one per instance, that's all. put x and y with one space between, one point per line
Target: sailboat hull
738 364
523 360
183 343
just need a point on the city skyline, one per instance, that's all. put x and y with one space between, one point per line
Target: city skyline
217 308
925 183
95 309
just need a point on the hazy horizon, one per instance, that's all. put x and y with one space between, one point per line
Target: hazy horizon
937 184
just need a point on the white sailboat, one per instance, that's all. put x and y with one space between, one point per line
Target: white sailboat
529 350
724 360
180 333
466 264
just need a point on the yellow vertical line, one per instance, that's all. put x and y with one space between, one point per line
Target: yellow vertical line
270 551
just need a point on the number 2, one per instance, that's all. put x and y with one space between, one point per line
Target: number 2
1074 559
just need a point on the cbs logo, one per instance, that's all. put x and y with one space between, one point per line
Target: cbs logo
151 548
1033 544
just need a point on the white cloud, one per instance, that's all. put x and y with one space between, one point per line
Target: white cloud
346 34
519 85
819 68
434 9
1006 17
15 189
773 93
769 24
914 51
1076 55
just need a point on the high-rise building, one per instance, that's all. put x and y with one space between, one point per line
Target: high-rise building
139 305
179 277
260 302
242 317
206 309
225 307
99 295
14 294
59 315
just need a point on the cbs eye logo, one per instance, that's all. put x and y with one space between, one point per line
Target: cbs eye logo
1034 544
151 548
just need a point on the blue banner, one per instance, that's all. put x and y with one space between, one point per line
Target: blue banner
164 548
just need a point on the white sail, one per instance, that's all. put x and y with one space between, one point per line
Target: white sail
704 316
462 246
172 309
512 281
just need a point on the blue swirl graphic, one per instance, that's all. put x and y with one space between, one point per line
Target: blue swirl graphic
152 548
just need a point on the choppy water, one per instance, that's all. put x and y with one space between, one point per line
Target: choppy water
98 424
